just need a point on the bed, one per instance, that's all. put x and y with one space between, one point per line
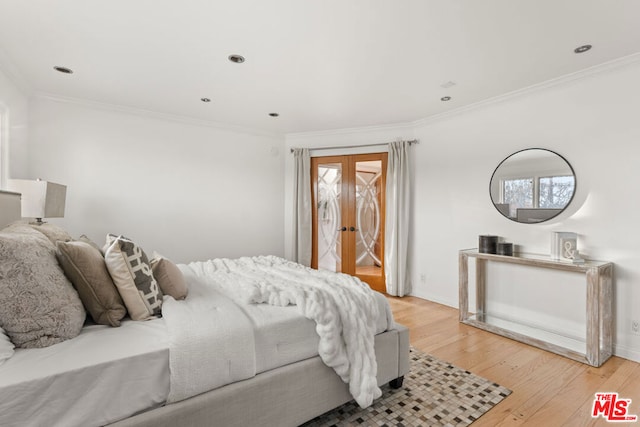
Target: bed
274 374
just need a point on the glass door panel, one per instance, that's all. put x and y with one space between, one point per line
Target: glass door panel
329 216
368 216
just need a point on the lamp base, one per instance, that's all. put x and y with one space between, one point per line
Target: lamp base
38 221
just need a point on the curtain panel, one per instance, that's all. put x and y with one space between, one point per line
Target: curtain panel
301 247
398 200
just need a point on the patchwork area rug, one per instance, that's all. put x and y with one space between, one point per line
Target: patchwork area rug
434 393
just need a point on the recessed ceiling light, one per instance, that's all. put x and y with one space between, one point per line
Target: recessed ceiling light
274 114
238 59
582 49
448 84
64 70
445 98
205 99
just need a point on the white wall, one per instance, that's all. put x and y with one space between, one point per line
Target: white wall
190 192
592 121
13 130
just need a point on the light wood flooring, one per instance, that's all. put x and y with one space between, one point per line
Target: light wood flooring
548 390
368 270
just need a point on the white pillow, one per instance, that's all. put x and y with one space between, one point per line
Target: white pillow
6 347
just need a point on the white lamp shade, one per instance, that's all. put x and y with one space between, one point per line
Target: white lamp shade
40 199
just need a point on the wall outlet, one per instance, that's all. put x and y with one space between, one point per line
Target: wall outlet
423 278
635 327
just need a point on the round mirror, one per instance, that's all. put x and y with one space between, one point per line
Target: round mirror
532 185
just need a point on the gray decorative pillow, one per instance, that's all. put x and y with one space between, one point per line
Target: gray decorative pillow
18 227
85 239
84 265
129 268
38 305
169 277
6 347
53 232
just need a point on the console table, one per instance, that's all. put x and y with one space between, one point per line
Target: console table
599 306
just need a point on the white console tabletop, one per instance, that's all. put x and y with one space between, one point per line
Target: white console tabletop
599 306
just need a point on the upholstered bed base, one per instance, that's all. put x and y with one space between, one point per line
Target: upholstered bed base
286 396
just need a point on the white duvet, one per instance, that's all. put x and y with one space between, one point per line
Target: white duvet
211 340
344 309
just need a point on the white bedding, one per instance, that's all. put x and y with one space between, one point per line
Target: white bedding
343 308
107 374
102 375
210 340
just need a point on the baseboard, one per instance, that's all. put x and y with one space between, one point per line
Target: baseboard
626 353
435 298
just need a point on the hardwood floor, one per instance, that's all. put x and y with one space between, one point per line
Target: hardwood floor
548 390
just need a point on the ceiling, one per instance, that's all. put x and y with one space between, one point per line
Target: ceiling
320 64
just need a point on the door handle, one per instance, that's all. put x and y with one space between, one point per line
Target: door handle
342 229
352 228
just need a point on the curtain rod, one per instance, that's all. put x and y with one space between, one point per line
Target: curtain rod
413 141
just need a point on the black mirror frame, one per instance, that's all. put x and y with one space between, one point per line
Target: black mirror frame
573 172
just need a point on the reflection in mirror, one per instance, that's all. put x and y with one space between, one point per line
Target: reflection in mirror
532 185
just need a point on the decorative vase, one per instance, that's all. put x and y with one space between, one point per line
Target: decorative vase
505 249
487 244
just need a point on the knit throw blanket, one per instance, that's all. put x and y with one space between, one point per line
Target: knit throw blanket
343 307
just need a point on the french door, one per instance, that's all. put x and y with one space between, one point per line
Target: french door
348 200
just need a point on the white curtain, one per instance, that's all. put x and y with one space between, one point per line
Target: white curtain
396 239
301 248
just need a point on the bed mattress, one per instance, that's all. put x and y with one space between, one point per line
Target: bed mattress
107 374
102 375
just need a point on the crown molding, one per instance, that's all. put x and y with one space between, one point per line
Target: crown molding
12 73
156 115
578 75
348 131
567 78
